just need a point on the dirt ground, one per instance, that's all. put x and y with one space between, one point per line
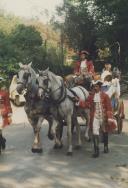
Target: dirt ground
19 168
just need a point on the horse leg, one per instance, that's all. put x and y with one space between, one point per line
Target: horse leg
57 134
36 147
50 131
86 135
69 133
75 123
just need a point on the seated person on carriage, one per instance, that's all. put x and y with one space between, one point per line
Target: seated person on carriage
106 70
84 67
101 115
5 112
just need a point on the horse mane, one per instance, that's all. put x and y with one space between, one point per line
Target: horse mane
54 77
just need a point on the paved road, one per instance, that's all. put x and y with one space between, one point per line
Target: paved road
19 168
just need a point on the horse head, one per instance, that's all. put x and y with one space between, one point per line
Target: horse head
50 86
43 83
24 77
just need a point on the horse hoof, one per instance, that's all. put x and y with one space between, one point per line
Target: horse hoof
61 146
37 150
69 153
77 147
56 146
50 136
88 139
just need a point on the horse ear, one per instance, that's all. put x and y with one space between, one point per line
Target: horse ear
46 70
30 64
21 65
39 71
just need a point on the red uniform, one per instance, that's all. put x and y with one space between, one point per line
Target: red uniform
106 107
5 107
90 67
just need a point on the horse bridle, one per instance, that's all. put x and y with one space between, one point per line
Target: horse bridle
26 76
48 91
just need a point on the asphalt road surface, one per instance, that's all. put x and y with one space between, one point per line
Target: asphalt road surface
20 168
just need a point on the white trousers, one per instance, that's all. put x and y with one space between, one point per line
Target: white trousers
1 122
97 123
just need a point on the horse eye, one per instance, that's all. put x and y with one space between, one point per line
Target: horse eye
37 82
26 75
46 82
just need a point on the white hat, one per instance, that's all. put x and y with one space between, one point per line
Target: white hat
97 79
106 83
97 82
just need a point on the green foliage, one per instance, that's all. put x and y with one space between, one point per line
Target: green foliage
79 26
24 43
112 23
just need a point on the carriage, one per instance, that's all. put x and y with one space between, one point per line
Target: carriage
47 97
111 86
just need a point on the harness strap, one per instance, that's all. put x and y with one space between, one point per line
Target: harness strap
62 97
73 92
82 91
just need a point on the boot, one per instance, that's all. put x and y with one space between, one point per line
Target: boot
2 142
96 146
105 135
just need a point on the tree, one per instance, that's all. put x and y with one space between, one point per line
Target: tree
112 18
79 26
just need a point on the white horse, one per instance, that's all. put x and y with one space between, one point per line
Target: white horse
62 104
36 109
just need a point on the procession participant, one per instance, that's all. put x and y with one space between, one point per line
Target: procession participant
85 65
101 115
106 71
84 70
5 112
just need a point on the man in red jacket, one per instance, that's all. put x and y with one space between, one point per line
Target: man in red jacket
84 70
5 113
101 116
84 66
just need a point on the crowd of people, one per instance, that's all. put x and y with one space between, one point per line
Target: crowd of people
104 96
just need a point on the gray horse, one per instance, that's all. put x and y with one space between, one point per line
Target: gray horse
35 108
62 106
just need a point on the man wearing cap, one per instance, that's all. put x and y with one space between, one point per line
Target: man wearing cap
84 70
84 65
5 112
101 115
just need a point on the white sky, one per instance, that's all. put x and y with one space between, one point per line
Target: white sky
30 8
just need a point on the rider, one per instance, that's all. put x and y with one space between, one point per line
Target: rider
84 69
101 115
84 66
5 112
